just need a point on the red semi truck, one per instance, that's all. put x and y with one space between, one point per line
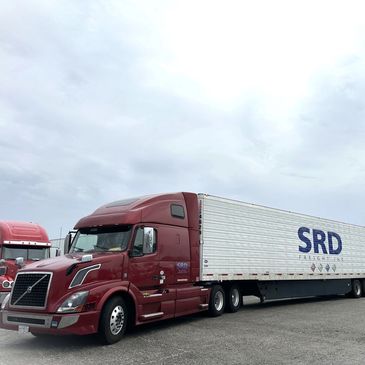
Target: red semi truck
22 241
145 259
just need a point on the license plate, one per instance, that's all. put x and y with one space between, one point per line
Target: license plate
23 329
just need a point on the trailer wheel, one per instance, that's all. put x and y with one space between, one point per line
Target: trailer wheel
233 299
216 301
356 290
113 321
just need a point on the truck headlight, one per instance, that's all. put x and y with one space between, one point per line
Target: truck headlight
74 303
5 301
7 284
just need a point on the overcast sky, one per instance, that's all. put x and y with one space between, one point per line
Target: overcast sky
261 101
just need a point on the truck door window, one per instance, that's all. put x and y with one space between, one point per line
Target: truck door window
138 243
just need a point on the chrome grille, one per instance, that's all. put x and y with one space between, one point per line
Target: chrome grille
30 290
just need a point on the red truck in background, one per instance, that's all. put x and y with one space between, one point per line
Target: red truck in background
22 241
145 259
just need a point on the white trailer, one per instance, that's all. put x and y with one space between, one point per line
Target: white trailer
277 254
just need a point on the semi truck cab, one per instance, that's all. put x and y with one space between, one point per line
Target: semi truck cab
20 243
131 262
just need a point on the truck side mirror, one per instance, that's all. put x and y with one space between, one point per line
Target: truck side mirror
67 243
3 267
149 238
19 261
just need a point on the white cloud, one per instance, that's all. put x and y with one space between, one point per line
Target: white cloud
100 100
230 50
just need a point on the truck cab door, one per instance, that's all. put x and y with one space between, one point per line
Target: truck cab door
144 266
147 280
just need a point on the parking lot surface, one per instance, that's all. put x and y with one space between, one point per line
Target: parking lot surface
300 331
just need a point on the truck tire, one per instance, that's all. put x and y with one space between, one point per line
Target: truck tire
356 290
233 299
216 301
113 321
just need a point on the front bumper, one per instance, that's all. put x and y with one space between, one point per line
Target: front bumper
83 323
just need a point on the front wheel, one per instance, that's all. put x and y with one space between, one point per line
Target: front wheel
216 301
113 321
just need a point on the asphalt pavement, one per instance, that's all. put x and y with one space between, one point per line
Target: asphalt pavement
301 331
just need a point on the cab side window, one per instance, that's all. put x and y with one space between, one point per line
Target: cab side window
138 243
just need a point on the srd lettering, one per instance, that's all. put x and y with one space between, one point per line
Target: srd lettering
317 241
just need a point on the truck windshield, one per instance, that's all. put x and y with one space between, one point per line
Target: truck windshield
28 253
101 239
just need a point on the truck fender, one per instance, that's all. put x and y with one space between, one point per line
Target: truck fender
134 291
119 289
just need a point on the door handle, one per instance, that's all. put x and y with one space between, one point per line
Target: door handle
161 277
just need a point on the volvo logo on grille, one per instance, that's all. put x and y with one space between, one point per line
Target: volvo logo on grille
29 289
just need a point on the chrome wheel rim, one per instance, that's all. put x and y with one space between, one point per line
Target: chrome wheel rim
117 320
235 297
218 301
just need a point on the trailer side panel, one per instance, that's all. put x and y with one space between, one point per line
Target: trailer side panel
241 241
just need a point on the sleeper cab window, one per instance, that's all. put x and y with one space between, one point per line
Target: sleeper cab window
177 211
